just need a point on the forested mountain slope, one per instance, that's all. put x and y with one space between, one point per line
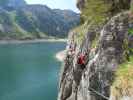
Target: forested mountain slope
19 20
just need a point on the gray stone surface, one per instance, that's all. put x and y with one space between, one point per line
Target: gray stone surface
77 84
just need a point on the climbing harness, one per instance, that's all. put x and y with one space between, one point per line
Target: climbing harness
96 92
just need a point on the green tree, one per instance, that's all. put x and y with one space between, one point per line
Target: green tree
96 10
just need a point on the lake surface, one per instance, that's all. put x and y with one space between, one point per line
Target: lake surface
29 71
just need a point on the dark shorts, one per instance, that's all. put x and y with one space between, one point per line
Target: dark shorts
82 66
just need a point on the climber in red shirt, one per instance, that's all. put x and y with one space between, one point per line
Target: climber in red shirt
81 60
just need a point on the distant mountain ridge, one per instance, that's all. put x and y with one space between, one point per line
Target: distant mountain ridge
18 20
13 3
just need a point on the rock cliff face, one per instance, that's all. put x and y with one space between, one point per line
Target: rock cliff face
111 49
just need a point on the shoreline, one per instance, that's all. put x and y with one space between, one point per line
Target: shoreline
61 55
31 41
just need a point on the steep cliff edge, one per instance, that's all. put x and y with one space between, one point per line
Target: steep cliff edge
107 42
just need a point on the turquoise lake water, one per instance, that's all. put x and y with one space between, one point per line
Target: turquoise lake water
29 71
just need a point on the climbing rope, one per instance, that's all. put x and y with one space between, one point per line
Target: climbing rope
96 92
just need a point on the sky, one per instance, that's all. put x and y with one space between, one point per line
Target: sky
61 4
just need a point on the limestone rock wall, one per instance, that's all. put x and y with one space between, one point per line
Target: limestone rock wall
98 75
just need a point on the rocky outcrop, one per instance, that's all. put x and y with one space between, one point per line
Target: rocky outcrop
95 80
80 4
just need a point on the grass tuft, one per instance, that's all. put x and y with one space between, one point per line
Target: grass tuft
123 84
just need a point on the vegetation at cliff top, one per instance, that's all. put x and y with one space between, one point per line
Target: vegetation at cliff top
91 15
101 10
95 10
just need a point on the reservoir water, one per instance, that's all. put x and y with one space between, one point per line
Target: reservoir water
29 71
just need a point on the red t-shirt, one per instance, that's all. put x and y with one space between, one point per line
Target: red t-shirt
81 59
